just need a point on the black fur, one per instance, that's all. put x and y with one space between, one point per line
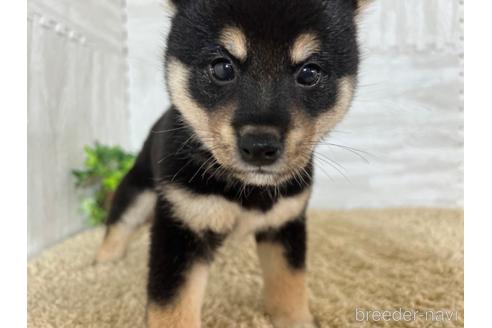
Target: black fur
184 167
270 27
174 248
137 180
292 237
264 94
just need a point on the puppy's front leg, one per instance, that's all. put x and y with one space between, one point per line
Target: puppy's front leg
178 270
282 254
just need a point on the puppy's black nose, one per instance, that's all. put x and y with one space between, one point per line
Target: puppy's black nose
259 149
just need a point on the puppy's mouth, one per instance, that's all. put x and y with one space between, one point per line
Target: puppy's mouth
257 166
262 171
259 171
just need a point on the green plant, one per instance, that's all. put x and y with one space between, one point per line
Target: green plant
104 167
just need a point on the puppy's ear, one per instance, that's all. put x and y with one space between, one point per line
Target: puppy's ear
175 5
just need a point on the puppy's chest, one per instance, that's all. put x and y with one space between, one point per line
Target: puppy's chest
250 221
218 214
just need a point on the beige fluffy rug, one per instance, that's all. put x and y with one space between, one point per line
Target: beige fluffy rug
365 259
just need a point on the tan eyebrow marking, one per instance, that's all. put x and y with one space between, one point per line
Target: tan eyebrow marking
234 40
304 46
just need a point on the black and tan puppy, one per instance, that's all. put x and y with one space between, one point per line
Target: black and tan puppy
254 85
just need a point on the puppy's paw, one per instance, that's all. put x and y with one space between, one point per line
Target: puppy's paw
289 310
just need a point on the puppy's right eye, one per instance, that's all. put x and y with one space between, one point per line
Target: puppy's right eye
222 70
308 75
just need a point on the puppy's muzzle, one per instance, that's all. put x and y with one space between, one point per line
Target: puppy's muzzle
260 149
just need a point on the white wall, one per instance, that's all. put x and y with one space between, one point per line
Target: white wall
148 24
407 114
77 94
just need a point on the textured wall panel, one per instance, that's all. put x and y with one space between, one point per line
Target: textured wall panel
76 95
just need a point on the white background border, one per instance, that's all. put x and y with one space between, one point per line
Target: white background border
478 163
13 167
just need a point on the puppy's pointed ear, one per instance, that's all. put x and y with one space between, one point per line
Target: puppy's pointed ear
174 5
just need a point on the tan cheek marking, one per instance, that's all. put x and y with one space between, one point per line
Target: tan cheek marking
185 312
201 212
286 294
210 128
332 117
225 136
304 46
307 132
234 40
194 114
299 140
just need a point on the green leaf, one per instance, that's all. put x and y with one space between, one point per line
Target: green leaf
104 168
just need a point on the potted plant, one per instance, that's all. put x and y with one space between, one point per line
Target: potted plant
104 167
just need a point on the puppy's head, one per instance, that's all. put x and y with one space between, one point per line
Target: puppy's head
262 81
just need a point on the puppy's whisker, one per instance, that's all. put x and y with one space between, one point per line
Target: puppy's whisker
354 151
330 164
209 166
358 152
322 156
181 169
198 170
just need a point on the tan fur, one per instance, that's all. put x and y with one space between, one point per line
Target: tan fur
286 293
185 312
213 129
332 117
201 212
363 4
140 210
299 141
286 209
193 113
114 244
234 40
169 7
216 132
303 47
119 234
223 136
306 132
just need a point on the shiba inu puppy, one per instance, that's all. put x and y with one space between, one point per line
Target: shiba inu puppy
254 86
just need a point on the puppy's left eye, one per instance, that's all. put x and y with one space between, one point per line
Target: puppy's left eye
222 70
308 75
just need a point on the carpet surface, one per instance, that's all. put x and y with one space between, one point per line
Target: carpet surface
388 259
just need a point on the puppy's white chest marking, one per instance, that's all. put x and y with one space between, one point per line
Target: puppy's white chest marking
215 213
